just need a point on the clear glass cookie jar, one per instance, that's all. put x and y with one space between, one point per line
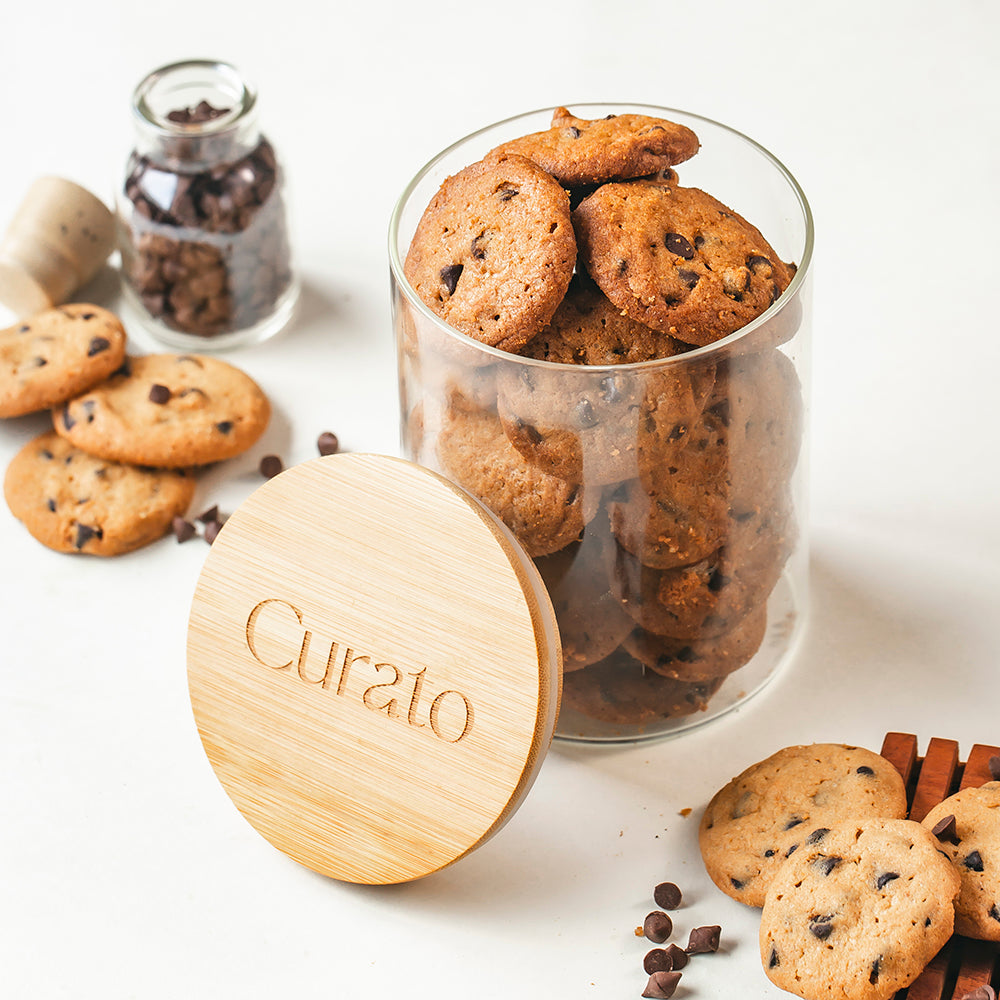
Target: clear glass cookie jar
202 218
662 500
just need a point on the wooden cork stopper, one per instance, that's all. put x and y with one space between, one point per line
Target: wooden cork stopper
58 239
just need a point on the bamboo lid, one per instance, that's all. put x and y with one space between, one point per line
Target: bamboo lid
374 667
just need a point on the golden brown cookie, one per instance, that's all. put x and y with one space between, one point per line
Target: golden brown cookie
169 411
972 842
786 804
494 251
677 259
57 354
579 151
72 502
544 512
857 913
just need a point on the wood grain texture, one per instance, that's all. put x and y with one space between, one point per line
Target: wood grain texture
373 667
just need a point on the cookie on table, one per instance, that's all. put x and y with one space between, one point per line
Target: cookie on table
578 151
73 502
169 411
974 848
544 512
699 659
494 251
620 690
677 259
57 354
858 911
785 804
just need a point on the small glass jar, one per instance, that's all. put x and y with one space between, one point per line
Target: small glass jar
663 501
203 232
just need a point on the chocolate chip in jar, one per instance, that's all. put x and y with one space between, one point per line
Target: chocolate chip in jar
206 258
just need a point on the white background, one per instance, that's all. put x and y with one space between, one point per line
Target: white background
124 870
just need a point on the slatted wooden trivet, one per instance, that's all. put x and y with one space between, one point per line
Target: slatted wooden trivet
962 964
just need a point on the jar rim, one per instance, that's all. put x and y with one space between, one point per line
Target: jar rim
244 97
696 353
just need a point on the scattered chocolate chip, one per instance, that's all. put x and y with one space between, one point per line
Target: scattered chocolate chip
994 766
773 961
212 514
884 879
984 992
450 275
508 191
51 504
657 960
610 390
84 533
667 896
270 466
769 853
40 362
794 821
737 883
661 985
224 426
327 443
573 132
817 835
826 864
97 346
995 912
791 850
212 530
678 956
677 244
182 529
584 414
690 278
873 976
821 926
159 394
865 770
756 261
657 926
945 830
973 861
68 422
703 940
478 248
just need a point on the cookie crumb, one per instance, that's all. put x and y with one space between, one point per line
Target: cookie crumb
685 812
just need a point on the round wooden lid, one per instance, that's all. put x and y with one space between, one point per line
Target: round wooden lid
374 667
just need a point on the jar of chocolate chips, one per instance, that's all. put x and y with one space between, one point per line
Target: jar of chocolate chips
203 234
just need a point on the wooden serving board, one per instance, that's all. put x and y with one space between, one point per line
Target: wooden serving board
963 963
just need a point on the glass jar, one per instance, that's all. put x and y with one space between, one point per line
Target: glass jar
663 501
203 232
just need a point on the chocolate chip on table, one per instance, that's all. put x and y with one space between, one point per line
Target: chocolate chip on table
212 514
945 830
661 985
270 466
182 528
657 926
667 896
212 530
327 443
159 394
703 940
657 960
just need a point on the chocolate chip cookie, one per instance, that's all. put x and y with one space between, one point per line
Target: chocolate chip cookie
857 911
167 411
577 151
73 502
494 251
544 512
786 803
677 259
973 844
57 354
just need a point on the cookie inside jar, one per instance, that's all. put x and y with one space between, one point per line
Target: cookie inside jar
602 323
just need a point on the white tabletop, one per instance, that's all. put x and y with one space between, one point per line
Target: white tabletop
125 870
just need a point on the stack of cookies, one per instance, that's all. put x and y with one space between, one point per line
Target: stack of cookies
648 478
128 432
855 898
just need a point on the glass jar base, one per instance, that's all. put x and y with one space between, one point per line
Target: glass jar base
148 331
787 620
